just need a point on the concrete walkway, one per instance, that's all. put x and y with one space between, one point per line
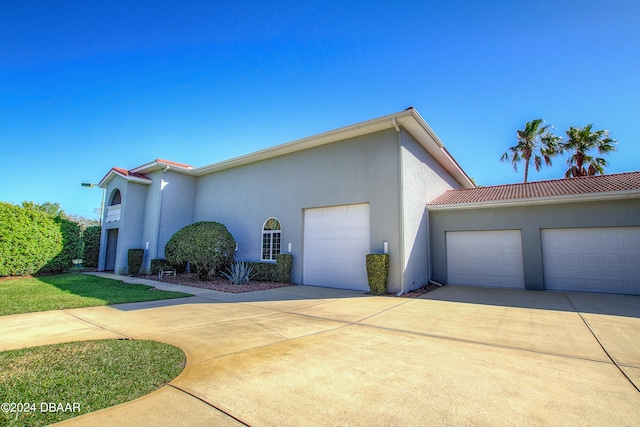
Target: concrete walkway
316 356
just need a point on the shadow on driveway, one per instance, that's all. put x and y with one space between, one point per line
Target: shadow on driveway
608 304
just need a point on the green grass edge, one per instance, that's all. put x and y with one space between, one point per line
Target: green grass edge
81 377
72 290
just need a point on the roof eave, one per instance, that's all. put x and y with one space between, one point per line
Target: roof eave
409 119
159 164
419 128
351 131
571 198
113 173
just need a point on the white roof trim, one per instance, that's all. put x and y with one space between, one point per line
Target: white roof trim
409 119
112 172
569 198
155 165
423 133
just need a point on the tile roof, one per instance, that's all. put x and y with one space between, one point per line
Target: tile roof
127 173
169 162
124 173
533 190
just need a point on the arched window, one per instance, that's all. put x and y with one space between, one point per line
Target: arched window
116 198
271 237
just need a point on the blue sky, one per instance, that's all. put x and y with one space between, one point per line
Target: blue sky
85 86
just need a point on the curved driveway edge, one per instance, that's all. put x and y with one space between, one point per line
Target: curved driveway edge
316 356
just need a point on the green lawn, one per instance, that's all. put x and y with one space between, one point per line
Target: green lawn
25 295
80 377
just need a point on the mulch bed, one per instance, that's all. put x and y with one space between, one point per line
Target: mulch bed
420 291
223 285
415 293
216 283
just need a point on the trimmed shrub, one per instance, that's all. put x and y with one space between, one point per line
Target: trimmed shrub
280 271
377 273
134 260
284 264
263 271
159 264
206 245
91 249
29 239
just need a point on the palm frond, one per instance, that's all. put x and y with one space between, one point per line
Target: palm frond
581 141
535 140
537 162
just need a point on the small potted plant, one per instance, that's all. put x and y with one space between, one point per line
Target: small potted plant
377 273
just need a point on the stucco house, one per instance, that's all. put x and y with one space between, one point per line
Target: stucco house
386 184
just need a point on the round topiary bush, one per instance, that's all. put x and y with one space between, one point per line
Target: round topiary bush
207 245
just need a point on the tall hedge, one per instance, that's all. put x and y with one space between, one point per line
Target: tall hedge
29 239
207 245
71 247
91 242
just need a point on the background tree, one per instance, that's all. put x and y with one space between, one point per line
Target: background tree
49 208
82 221
581 141
534 141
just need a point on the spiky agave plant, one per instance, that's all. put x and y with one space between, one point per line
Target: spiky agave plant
239 273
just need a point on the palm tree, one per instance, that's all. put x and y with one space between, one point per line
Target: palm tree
580 141
535 140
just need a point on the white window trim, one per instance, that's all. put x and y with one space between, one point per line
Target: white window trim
270 233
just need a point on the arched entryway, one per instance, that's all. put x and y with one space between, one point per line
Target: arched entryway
112 246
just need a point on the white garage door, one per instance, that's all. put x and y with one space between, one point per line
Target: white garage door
592 259
336 242
485 258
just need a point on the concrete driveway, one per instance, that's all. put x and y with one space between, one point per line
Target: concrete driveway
315 356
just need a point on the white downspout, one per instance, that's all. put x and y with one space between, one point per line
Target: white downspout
160 211
401 185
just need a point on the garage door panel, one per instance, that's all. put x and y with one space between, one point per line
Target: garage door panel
485 258
343 268
604 259
614 273
336 241
614 259
592 259
632 245
329 247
